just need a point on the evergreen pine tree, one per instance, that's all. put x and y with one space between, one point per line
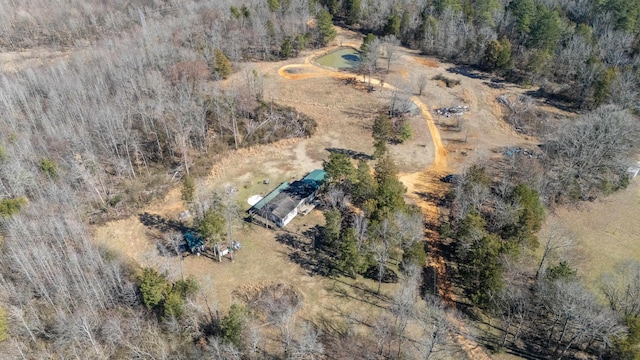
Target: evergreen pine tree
222 65
365 187
286 49
188 189
348 258
324 23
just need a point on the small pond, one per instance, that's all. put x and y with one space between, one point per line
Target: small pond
346 58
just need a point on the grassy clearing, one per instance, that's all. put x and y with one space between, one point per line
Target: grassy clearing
607 232
343 114
264 260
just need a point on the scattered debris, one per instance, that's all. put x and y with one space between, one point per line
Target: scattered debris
511 151
456 110
351 81
452 179
184 215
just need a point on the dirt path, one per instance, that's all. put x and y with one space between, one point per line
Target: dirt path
423 187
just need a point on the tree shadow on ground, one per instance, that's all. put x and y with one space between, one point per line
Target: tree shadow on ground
468 72
432 197
310 251
356 112
388 277
555 100
360 292
351 153
494 85
159 226
307 253
159 223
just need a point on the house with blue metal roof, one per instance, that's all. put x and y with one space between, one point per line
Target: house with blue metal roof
286 201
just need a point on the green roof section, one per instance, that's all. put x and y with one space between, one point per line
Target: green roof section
260 204
318 176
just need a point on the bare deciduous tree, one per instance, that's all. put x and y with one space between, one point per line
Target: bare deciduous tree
307 345
622 288
360 224
389 45
557 238
403 303
421 83
576 317
381 248
435 325
591 153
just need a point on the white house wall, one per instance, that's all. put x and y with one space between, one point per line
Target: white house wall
289 217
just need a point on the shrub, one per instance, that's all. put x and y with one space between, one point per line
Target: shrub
48 167
173 305
4 325
9 207
232 324
405 133
153 287
222 65
186 288
188 189
286 50
449 82
414 254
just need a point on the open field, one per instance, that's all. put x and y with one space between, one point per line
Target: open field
344 115
607 232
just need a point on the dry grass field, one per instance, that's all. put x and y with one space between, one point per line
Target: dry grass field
607 232
344 115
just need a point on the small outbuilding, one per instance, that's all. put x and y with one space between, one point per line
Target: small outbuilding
194 243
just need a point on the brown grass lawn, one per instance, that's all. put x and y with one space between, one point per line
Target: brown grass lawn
344 115
261 261
607 230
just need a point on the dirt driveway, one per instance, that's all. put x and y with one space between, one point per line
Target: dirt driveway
344 115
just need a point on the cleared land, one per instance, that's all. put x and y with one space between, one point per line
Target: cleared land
607 232
344 114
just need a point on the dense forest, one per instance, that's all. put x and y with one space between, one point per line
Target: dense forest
139 103
582 53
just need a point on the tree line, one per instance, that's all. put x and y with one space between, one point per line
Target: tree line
80 137
492 222
582 53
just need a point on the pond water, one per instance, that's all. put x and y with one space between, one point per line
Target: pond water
346 58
